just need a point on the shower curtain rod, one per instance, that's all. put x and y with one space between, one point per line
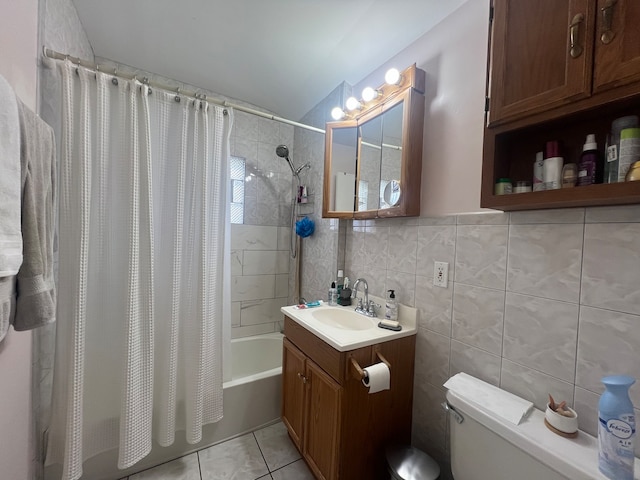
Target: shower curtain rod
199 96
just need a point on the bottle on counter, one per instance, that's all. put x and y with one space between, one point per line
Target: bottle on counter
333 294
616 428
391 310
591 166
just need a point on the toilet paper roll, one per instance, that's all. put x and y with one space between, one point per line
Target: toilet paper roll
378 378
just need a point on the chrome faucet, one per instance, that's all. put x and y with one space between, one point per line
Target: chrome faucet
367 308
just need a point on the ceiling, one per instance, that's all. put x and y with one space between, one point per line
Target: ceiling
281 55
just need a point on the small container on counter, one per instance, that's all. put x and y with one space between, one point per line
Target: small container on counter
522 186
569 175
503 186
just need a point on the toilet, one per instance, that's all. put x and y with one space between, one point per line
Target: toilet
486 447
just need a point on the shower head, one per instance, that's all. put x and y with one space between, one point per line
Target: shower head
283 151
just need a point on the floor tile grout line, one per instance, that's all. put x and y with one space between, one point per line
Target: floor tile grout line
199 466
264 459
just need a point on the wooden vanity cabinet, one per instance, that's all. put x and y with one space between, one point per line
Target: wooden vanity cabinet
549 84
340 429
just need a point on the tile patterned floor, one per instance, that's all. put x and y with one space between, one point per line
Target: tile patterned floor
266 454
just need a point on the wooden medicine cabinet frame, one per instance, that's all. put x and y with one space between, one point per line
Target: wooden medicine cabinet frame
409 94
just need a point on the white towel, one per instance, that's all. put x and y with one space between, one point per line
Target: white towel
499 402
10 231
36 300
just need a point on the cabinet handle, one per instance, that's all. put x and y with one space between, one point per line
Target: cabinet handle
607 19
574 31
302 377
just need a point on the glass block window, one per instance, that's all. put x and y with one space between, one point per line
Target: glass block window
237 189
363 193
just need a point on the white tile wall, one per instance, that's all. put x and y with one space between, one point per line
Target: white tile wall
538 302
260 278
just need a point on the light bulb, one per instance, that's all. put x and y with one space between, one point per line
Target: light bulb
369 94
352 104
392 77
337 113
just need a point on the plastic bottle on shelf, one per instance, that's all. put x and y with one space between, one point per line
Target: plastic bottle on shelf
552 166
591 166
538 173
613 147
629 151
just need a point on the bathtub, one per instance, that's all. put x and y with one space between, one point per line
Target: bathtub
254 358
251 400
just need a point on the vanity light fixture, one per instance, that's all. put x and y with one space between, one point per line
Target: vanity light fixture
352 104
369 94
393 77
395 82
337 113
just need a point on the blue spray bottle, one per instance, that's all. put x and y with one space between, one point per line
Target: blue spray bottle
616 428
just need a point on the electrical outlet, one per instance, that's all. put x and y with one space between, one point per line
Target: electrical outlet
440 274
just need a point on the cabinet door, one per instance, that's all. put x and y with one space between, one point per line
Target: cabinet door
533 65
321 440
293 390
617 57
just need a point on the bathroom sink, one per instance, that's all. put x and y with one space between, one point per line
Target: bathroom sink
344 329
344 319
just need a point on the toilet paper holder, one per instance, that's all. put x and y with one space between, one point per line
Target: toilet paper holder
359 373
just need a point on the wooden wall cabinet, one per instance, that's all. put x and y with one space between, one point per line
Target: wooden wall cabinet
559 70
340 429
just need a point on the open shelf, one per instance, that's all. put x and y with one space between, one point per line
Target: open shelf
510 152
592 195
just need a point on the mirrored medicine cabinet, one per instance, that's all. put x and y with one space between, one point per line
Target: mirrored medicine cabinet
373 160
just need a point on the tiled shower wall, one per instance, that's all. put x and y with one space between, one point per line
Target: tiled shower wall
261 264
537 302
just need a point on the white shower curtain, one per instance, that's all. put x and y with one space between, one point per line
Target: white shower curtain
143 270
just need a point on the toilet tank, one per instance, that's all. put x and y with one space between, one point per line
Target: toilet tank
486 447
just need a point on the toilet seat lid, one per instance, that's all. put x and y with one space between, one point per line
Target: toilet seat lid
409 463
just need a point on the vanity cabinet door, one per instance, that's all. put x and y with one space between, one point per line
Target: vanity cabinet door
294 381
533 65
321 438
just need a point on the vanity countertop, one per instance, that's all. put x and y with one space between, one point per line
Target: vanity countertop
344 339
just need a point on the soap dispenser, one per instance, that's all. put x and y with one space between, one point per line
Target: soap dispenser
391 310
333 294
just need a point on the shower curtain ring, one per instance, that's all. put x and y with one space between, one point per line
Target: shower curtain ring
177 97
